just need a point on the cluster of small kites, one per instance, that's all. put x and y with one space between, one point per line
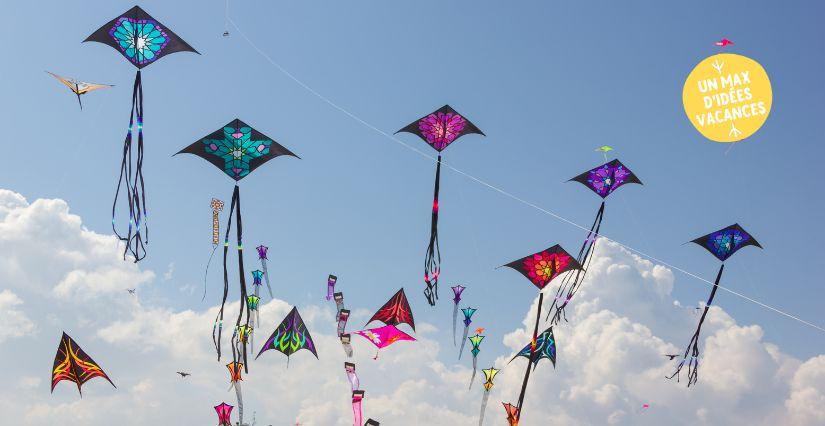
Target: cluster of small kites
237 150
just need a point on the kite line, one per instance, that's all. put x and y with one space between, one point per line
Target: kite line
502 191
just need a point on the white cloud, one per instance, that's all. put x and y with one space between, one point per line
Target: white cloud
610 356
170 272
14 322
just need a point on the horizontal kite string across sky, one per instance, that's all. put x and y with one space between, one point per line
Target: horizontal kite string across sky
501 191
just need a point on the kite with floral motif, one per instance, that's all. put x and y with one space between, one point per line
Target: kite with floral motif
722 244
438 129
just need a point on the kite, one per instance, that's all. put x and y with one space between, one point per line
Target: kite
384 336
252 302
217 208
439 129
489 374
183 375
79 87
72 364
396 311
371 422
602 180
351 376
236 149
604 149
357 397
290 337
331 285
476 342
345 342
541 268
457 290
342 321
262 252
513 413
544 347
724 42
468 313
235 378
224 411
142 40
131 291
722 244
241 335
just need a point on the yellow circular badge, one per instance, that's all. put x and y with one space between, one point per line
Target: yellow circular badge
727 97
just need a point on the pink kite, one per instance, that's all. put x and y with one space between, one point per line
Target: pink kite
384 336
224 411
724 42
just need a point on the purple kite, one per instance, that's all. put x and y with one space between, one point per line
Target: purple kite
602 180
456 298
331 285
262 257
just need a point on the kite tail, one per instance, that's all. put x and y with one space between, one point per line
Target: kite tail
463 340
219 320
532 357
131 180
432 260
356 409
572 282
692 349
473 377
347 349
266 277
244 307
240 401
484 399
206 272
455 320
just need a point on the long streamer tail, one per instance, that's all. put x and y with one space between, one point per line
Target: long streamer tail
473 377
241 341
240 401
206 272
463 341
132 182
572 282
216 337
266 278
432 260
691 355
484 399
455 321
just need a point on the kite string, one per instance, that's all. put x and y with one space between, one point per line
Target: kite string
503 192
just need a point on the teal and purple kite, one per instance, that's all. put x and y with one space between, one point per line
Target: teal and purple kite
237 150
142 40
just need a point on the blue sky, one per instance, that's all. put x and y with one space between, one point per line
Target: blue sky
546 81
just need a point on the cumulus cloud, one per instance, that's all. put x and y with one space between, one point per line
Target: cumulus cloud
15 322
610 354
